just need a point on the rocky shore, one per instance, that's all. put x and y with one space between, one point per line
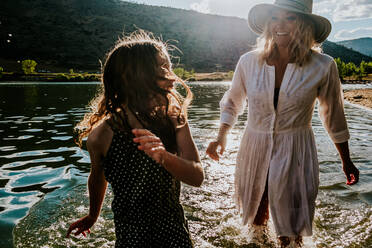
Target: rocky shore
361 97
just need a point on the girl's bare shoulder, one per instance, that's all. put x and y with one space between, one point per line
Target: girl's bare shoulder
100 137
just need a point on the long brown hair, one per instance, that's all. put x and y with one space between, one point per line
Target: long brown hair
129 78
300 47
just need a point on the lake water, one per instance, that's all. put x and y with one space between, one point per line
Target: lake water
43 174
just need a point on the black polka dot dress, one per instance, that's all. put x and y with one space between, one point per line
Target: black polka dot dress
146 207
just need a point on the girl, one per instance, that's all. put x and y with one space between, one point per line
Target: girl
277 164
140 142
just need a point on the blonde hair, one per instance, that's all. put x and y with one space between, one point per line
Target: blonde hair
301 46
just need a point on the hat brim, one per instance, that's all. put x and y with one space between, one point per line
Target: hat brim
260 14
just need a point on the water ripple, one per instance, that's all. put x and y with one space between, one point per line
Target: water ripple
44 175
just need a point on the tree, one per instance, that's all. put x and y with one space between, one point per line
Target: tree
365 68
369 68
341 67
1 72
350 69
28 66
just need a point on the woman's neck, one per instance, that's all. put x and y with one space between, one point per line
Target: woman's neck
283 55
280 57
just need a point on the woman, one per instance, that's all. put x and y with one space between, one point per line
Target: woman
139 141
281 80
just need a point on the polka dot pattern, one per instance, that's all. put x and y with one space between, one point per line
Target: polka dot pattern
146 207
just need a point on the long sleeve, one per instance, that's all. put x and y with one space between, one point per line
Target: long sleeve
233 102
331 107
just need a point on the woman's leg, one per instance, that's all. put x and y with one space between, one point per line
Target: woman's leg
284 241
262 215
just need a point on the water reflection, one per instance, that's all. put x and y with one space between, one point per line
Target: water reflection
43 174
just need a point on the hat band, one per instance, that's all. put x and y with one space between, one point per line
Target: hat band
294 5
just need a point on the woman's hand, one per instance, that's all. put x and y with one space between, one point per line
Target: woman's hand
219 143
82 225
351 172
150 144
212 149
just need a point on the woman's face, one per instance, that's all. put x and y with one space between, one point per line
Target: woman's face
282 26
165 77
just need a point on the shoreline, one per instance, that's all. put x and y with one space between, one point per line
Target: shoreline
50 77
94 77
360 97
90 77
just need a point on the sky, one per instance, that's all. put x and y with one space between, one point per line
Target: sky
351 19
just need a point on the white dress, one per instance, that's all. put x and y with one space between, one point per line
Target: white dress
278 144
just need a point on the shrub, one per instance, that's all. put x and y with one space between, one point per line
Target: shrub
28 66
184 74
180 72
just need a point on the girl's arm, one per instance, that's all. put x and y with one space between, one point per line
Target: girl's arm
97 145
185 166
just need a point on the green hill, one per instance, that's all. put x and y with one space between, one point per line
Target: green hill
346 54
362 45
63 34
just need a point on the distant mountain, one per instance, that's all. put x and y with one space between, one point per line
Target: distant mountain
362 45
346 54
78 33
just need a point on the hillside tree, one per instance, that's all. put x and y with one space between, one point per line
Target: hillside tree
341 66
350 69
365 68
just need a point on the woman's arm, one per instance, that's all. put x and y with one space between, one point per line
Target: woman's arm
97 144
232 104
351 172
331 112
219 143
185 166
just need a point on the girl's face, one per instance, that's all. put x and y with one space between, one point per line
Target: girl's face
166 83
165 77
282 26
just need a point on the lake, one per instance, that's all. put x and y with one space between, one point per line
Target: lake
43 174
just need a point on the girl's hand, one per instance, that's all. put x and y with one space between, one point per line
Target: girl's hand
82 225
150 144
351 172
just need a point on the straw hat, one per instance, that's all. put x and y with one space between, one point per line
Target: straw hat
260 14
